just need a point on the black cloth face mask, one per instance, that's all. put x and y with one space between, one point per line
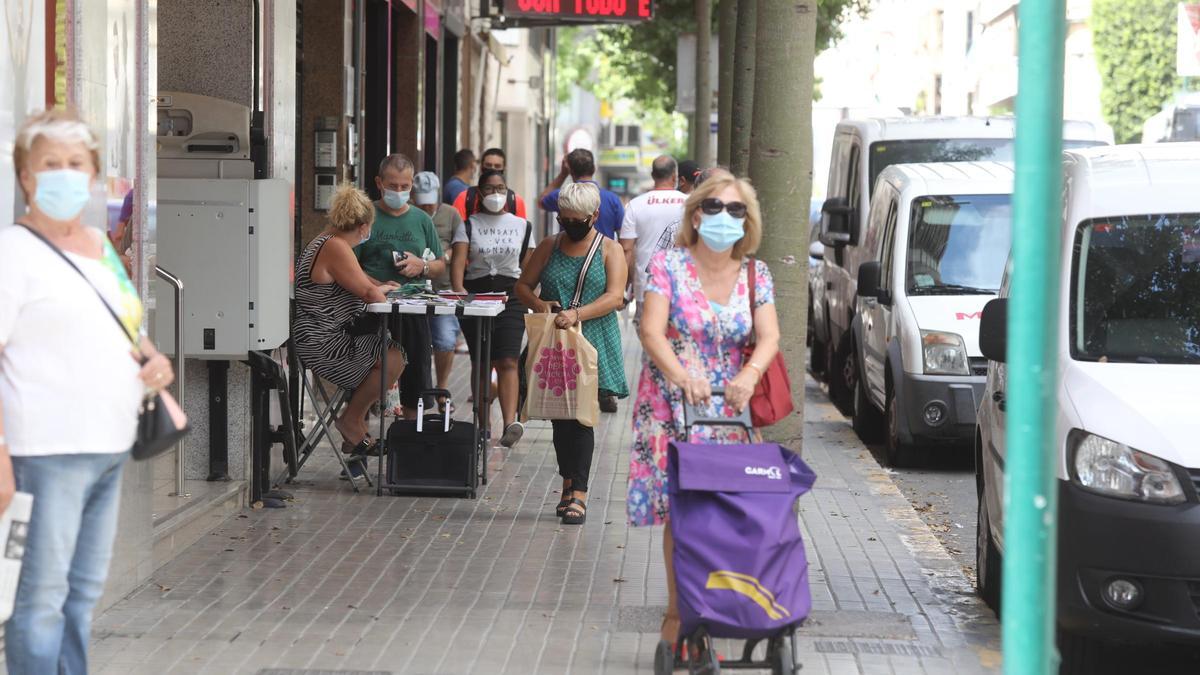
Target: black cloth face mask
577 230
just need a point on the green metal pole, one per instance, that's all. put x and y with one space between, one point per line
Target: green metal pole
1030 490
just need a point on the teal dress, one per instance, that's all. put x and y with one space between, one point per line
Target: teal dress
604 332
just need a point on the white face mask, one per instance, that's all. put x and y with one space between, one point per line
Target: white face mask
366 237
495 202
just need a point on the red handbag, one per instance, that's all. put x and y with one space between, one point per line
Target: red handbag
772 398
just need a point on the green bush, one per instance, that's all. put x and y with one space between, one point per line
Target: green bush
1135 51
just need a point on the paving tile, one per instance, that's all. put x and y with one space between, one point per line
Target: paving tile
340 581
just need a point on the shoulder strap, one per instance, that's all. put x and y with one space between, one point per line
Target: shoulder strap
528 236
86 280
597 241
469 203
752 274
511 205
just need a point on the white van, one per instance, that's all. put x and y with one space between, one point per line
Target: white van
862 149
935 243
1127 406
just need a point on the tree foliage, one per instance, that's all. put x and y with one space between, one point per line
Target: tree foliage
1135 51
638 61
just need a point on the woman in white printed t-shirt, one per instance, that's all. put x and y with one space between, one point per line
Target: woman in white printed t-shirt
70 388
488 250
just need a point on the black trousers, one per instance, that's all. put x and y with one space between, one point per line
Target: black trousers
417 341
573 444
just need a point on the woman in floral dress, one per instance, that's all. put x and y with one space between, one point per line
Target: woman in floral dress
695 322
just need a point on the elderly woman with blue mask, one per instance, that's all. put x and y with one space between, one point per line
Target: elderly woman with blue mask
71 383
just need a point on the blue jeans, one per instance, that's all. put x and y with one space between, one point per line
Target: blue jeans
445 332
75 504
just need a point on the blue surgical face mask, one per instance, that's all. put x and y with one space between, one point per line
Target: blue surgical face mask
722 231
395 200
62 193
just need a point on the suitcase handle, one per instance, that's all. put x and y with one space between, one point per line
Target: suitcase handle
421 410
692 416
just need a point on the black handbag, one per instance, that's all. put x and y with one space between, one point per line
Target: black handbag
161 422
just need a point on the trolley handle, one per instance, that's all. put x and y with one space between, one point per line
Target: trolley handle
693 416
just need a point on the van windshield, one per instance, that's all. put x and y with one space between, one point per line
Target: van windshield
887 153
957 245
1135 289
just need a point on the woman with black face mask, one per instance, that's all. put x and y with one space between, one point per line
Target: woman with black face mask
556 265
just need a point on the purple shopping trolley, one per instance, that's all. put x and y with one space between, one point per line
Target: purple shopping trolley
740 567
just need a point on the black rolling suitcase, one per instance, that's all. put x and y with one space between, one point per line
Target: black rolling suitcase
432 454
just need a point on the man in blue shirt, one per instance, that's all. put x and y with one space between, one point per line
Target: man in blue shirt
463 176
581 166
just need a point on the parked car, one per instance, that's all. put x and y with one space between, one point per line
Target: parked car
862 149
936 240
1127 404
816 258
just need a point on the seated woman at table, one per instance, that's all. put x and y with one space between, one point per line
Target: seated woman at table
487 253
331 290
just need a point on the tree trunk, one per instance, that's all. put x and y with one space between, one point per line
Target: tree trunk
781 168
703 83
742 106
727 21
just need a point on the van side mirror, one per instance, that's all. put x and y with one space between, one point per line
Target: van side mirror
816 251
993 330
868 283
838 212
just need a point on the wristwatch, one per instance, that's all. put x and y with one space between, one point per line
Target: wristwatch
425 268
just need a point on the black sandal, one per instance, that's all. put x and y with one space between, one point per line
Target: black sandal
561 509
575 513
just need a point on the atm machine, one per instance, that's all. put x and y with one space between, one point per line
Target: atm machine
228 237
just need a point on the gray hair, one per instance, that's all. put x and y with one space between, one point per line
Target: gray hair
396 161
579 197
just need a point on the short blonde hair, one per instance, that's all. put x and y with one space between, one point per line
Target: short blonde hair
712 186
350 209
580 198
63 126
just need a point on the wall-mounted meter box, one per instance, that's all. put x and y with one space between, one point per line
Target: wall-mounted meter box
323 194
229 241
325 143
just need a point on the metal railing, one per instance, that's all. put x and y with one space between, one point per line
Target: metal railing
177 285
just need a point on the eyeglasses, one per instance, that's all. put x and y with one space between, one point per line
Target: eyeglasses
493 189
712 206
570 222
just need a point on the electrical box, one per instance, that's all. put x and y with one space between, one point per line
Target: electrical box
323 195
325 143
229 241
202 137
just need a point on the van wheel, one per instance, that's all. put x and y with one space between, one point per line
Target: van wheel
841 374
899 454
1081 655
867 420
987 559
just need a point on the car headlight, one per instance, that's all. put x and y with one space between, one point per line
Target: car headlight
945 353
1117 470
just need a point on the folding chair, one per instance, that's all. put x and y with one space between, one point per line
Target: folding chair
326 408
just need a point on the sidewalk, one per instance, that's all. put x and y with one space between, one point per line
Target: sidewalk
347 583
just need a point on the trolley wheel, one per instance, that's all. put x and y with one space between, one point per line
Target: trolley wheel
664 658
781 657
702 658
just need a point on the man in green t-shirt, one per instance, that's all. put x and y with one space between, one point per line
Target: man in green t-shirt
401 229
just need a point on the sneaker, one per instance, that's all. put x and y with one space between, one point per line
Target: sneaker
608 403
512 434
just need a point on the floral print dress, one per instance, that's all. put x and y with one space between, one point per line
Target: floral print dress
708 338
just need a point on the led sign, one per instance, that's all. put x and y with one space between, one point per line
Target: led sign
580 11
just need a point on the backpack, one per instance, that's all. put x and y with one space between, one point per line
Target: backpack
473 202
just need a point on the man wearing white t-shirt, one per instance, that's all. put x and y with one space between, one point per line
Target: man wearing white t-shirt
651 221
